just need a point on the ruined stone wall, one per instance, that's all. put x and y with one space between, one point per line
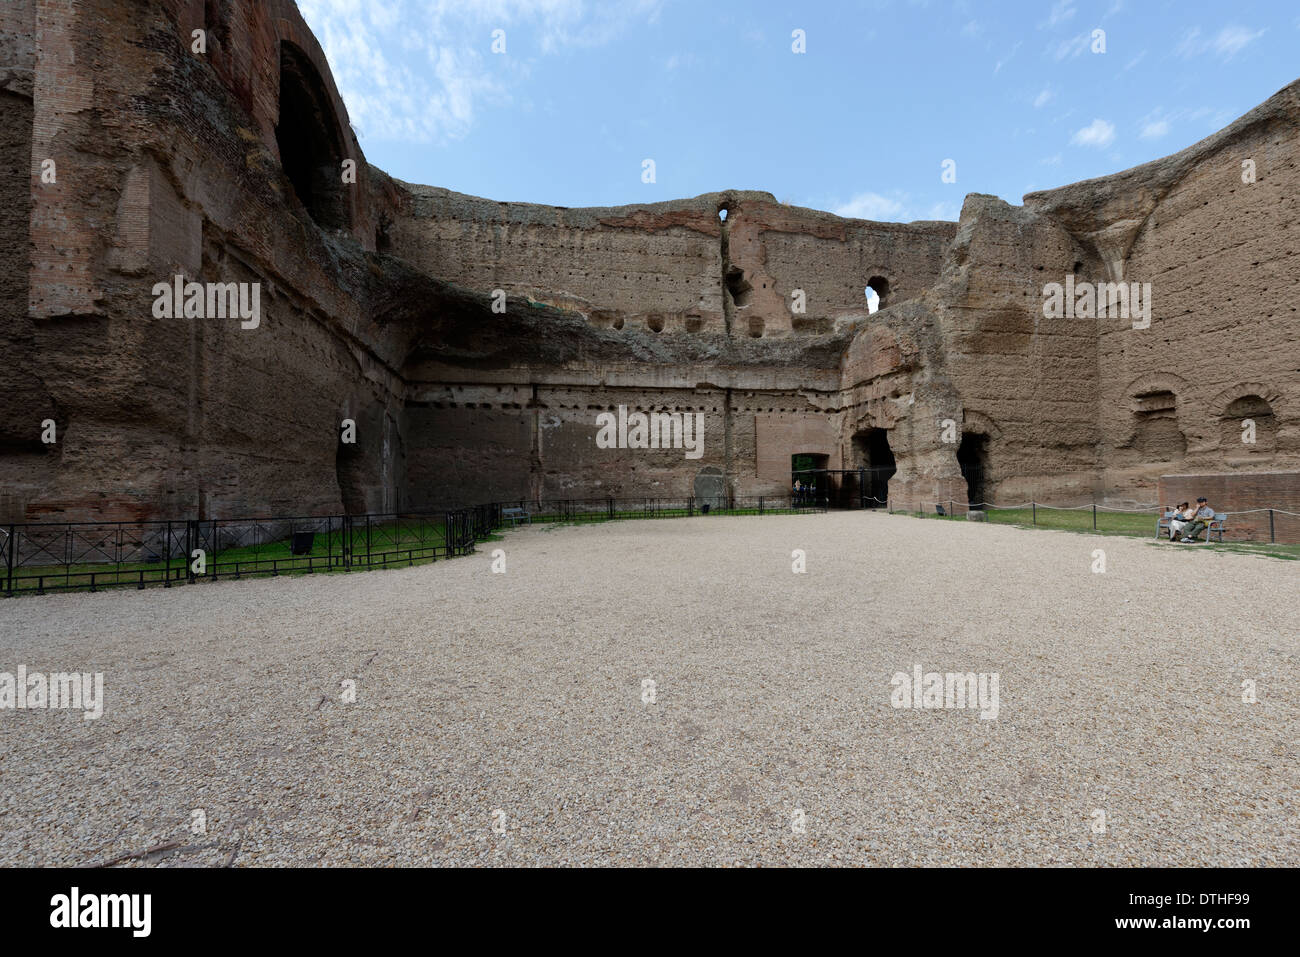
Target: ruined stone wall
1223 261
661 266
376 305
26 463
1026 383
528 429
1070 410
676 271
195 416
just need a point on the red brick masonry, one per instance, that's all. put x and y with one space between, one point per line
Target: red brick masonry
1237 493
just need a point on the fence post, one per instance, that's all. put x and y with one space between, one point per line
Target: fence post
368 562
1271 536
191 543
609 507
1035 508
690 506
11 548
167 558
760 505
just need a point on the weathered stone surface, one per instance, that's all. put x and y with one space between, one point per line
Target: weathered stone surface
377 305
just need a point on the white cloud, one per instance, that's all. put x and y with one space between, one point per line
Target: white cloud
1225 44
1043 98
1098 133
870 206
944 210
419 70
1232 40
1008 58
894 208
1062 11
1071 48
1134 62
1155 129
1191 44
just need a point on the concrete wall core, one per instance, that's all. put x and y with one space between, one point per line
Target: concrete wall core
474 344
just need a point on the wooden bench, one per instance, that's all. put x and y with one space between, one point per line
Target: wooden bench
515 515
1214 527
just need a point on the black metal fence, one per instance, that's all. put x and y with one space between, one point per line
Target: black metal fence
846 488
89 556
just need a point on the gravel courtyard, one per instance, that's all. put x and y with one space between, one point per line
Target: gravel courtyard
514 702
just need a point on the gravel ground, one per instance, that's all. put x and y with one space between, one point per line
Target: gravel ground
522 694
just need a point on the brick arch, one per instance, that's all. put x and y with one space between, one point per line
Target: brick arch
1158 382
1157 433
1276 400
973 421
290 29
310 141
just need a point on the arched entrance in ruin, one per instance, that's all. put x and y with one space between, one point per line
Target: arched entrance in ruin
875 460
877 292
973 458
310 141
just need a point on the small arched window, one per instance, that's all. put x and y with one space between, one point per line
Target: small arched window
1248 427
877 293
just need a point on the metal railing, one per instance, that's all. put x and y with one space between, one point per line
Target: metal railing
1274 525
89 556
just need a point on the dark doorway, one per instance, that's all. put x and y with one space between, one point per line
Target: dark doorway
809 470
973 457
876 460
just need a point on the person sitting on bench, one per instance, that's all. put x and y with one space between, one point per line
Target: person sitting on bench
1203 516
1183 514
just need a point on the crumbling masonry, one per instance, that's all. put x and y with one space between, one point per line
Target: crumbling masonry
127 159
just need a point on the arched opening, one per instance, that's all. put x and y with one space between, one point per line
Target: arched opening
1248 427
873 456
877 293
873 300
311 147
973 458
1156 434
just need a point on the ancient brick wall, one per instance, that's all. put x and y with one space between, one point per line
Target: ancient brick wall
376 305
26 463
195 416
1223 262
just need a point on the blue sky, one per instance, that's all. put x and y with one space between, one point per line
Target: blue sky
860 124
